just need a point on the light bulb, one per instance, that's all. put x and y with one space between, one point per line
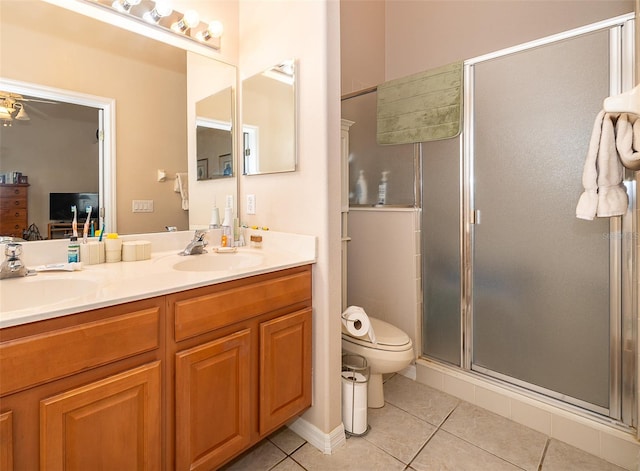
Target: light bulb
189 20
124 6
163 8
214 30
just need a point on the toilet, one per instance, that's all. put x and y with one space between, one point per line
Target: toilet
392 353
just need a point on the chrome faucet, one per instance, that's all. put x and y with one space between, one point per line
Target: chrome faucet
12 266
197 245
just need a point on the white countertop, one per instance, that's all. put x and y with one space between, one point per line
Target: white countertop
53 294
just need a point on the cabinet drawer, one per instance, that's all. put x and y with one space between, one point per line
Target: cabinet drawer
39 358
207 312
17 198
13 219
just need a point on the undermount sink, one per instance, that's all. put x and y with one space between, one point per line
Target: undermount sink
23 293
219 262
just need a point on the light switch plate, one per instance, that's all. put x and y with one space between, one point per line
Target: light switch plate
251 204
142 206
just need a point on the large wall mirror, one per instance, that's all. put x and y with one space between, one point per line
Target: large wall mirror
269 120
154 114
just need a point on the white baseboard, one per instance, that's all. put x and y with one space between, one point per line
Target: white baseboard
325 442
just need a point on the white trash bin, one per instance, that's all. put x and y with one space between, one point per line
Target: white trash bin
355 379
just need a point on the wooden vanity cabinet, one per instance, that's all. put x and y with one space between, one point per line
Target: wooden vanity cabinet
184 381
84 391
242 364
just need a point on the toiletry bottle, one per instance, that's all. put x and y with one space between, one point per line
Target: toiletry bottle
73 250
215 230
382 188
227 228
361 189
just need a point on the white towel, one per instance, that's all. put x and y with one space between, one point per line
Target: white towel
182 186
604 194
628 140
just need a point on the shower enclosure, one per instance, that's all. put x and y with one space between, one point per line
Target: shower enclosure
515 287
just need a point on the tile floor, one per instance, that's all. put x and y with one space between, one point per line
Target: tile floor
421 429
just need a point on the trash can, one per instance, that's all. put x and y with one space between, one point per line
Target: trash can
355 379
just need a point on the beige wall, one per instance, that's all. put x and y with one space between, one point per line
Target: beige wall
424 34
362 44
147 79
306 201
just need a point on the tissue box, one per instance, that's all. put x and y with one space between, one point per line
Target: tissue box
135 250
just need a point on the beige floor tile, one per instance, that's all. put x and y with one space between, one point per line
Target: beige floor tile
356 455
563 457
288 465
502 437
447 452
262 457
418 399
397 432
287 440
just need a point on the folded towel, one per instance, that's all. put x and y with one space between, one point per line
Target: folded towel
628 140
604 194
181 186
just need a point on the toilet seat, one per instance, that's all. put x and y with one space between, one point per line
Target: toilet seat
388 337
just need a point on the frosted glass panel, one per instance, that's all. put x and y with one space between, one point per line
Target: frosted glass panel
541 276
441 249
365 154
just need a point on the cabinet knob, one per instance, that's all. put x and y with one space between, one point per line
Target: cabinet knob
16 202
16 191
17 214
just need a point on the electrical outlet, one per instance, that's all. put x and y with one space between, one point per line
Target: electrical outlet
142 206
251 204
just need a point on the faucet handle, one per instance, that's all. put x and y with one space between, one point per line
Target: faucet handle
199 235
13 250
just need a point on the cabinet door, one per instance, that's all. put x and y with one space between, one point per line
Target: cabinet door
114 423
6 441
285 368
213 401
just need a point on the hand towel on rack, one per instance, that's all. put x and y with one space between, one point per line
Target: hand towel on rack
181 186
604 194
628 140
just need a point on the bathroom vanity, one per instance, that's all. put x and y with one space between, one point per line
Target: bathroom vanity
184 380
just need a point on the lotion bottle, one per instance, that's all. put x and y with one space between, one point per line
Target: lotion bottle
361 189
382 189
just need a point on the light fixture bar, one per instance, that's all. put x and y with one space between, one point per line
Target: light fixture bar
160 13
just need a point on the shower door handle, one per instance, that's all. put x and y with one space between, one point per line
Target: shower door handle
475 216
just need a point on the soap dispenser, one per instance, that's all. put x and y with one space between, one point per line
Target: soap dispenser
382 189
361 189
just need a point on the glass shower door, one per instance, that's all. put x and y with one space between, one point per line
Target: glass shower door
541 278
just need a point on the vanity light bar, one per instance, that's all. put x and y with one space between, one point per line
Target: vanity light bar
160 13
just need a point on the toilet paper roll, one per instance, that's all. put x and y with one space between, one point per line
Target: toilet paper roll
354 402
357 323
